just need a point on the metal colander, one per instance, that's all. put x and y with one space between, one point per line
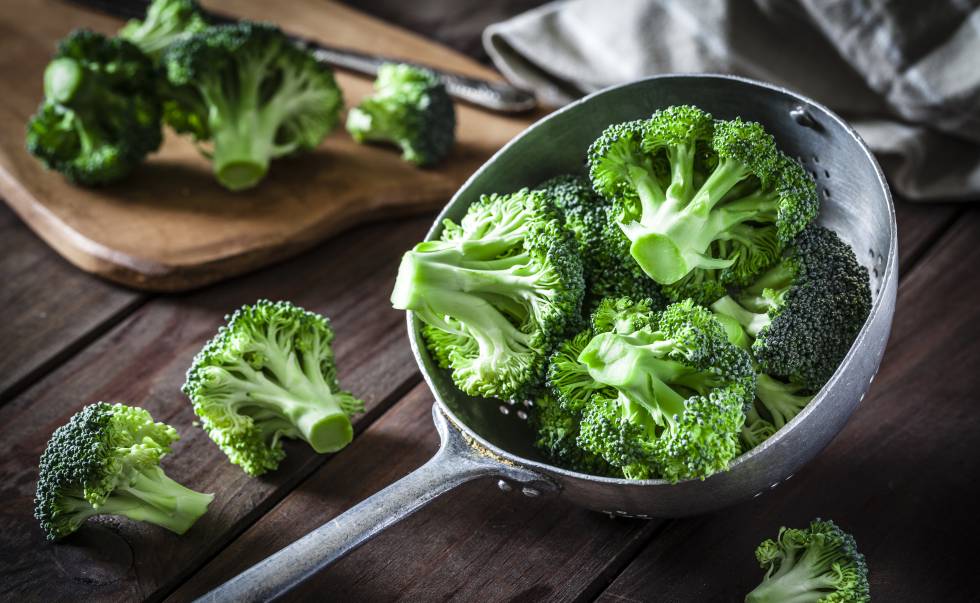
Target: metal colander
483 438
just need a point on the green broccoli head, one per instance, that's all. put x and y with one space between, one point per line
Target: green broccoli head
411 109
805 312
820 564
756 429
505 284
252 94
106 461
270 374
678 388
101 115
703 203
165 22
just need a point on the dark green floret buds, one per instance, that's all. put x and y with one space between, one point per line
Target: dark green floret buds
106 461
270 374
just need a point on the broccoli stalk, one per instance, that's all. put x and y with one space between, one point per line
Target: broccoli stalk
253 94
497 292
411 109
165 21
105 461
270 374
820 564
703 203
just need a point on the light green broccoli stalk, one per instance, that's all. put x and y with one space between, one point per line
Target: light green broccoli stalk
820 564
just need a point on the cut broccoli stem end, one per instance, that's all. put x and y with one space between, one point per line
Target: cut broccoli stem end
153 497
806 582
63 78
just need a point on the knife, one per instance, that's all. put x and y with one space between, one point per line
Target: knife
496 96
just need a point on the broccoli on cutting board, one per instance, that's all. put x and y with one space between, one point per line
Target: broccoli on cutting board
100 115
249 95
410 109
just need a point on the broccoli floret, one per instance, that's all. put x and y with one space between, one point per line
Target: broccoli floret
678 388
165 21
582 209
106 461
819 565
557 427
505 284
703 203
805 312
252 93
411 109
101 115
270 374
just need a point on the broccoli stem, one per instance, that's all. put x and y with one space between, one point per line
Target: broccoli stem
807 579
434 285
752 322
780 399
151 496
298 394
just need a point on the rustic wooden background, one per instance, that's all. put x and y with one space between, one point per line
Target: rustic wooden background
902 476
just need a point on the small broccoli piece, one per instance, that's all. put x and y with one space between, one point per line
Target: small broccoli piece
820 564
673 396
101 115
557 428
504 285
270 374
703 203
106 461
782 401
583 210
805 312
411 109
165 22
252 93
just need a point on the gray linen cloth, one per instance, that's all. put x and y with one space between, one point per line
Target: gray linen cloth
905 74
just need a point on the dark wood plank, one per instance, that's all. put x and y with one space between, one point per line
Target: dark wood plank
901 476
919 226
475 542
142 361
49 308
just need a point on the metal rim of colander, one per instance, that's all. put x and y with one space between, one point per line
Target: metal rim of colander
782 433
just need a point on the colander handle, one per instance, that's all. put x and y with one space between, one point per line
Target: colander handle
455 463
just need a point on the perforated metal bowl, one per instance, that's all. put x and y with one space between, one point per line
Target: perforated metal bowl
489 438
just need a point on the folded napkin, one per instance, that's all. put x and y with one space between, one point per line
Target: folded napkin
905 74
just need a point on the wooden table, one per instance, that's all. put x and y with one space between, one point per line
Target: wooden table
902 476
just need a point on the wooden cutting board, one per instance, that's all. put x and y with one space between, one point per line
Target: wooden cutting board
170 226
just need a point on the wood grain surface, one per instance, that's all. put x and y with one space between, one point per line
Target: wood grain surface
142 361
170 226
